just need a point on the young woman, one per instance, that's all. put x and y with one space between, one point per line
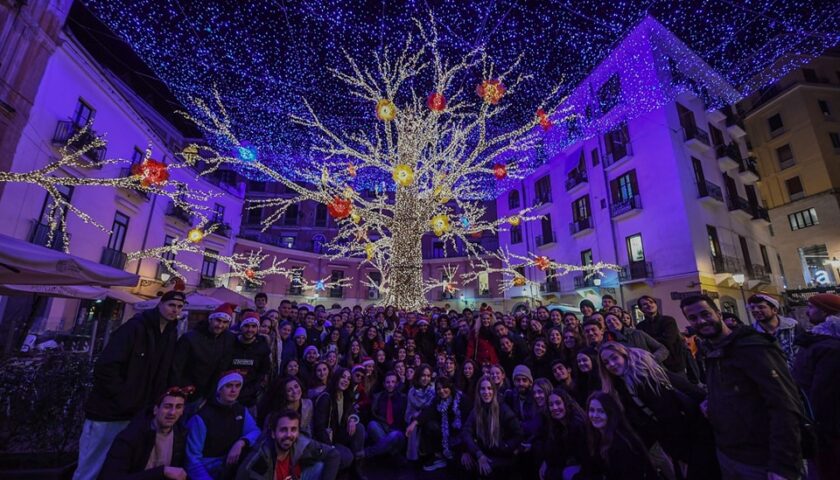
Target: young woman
662 407
555 341
586 374
441 424
381 362
292 369
420 395
635 338
336 421
499 378
287 393
539 361
372 341
542 387
614 451
556 318
572 343
560 445
332 342
354 354
320 378
491 436
399 369
466 380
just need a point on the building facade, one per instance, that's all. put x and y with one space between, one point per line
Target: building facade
794 128
647 178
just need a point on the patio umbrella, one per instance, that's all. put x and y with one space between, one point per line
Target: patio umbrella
195 301
23 263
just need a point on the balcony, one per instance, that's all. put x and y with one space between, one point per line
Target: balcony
207 282
696 139
728 157
582 282
710 193
222 229
760 214
760 274
619 153
635 271
740 206
626 207
337 292
726 264
748 172
136 192
576 179
716 116
550 286
113 258
735 126
546 238
541 199
178 213
41 234
580 227
65 130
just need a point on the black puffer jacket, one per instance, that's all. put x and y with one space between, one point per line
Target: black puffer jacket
253 360
817 372
130 373
130 452
200 358
754 406
510 433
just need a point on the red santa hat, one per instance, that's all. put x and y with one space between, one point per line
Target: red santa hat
224 310
251 317
367 360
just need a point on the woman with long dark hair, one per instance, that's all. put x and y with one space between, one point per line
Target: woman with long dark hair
441 423
420 395
539 361
491 436
336 420
659 407
586 374
614 451
560 444
467 379
320 379
572 343
287 393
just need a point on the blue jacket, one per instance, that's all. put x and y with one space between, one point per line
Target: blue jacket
211 434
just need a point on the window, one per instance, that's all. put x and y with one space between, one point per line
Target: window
84 114
516 234
594 157
545 227
714 243
320 215
635 250
687 120
580 208
337 291
296 282
137 156
775 123
617 143
291 216
208 265
826 111
815 266
717 135
513 199
542 189
609 94
118 232
785 156
794 187
168 241
810 75
586 257
483 283
438 249
624 188
318 242
835 140
254 216
803 219
218 213
765 259
375 281
287 241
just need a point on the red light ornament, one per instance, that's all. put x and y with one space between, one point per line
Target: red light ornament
499 171
544 121
491 91
436 102
542 263
151 172
339 208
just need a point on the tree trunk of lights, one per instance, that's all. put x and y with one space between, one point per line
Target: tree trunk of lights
405 278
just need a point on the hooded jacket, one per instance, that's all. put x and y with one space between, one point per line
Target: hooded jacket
130 373
753 404
200 358
816 371
130 451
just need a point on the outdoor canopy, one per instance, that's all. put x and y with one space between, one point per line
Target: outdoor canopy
24 263
71 291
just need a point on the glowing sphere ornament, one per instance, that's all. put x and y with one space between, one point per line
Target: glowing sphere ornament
545 122
440 224
339 208
151 172
519 281
514 220
351 169
249 274
436 102
542 263
355 217
491 91
465 222
403 175
385 110
499 171
195 235
450 288
247 153
476 235
369 251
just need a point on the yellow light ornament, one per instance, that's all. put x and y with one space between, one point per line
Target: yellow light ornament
355 217
514 220
195 235
403 175
385 110
440 224
369 251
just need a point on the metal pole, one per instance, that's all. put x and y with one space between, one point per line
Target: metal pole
746 310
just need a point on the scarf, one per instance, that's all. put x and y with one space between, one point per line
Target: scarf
417 399
443 409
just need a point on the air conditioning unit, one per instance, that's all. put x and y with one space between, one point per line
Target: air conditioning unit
373 295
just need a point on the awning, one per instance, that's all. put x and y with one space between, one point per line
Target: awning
195 301
84 292
226 295
24 263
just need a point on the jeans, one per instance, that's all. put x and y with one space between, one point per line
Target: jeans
389 442
312 472
735 470
94 443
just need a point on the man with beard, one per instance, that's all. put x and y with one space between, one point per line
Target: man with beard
151 447
753 404
130 375
765 311
285 454
251 358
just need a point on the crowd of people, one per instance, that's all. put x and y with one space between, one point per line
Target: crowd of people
306 393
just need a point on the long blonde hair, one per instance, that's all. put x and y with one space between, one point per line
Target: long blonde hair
641 369
487 421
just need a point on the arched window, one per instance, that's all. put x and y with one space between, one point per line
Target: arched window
513 199
318 242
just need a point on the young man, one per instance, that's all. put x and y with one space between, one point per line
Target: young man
386 431
664 330
151 447
520 399
816 371
261 302
587 308
285 310
130 375
251 357
765 311
607 302
287 454
203 354
219 432
753 404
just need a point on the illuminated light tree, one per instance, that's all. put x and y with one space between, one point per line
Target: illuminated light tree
433 156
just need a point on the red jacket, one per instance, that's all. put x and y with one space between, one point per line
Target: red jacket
484 353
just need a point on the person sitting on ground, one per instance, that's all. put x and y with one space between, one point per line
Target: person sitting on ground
219 432
441 424
387 429
559 448
287 394
285 453
151 447
337 423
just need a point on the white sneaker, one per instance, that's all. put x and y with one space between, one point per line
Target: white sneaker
437 464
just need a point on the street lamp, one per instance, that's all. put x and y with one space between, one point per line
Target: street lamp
740 278
165 276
